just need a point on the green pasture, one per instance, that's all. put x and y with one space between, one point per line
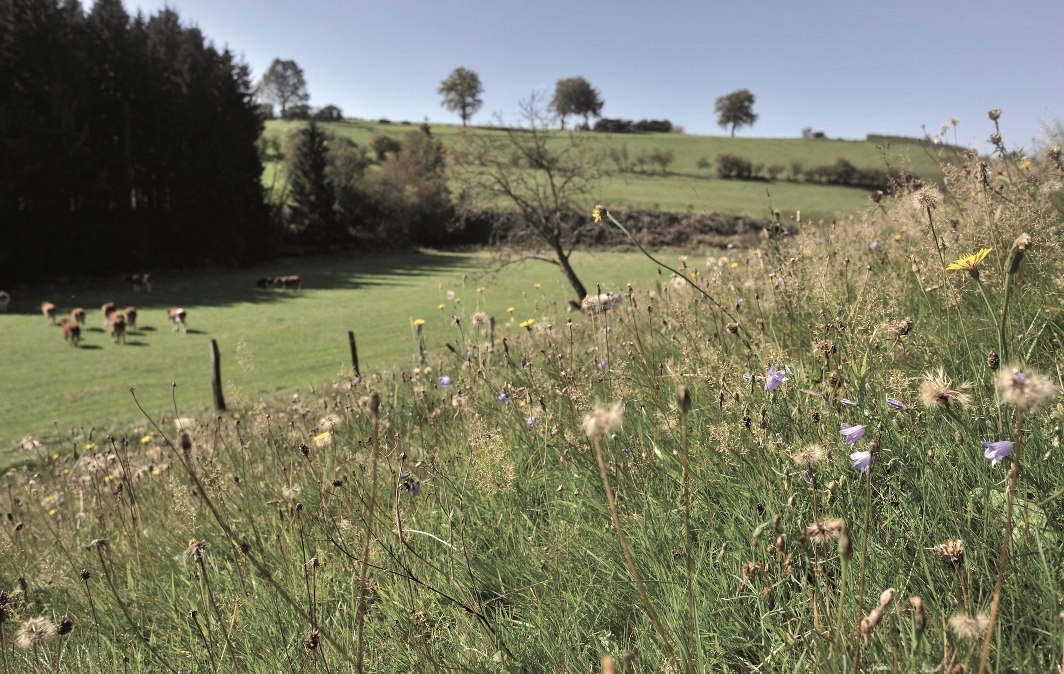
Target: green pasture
272 342
685 187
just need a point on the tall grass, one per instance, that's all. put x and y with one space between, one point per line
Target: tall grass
485 511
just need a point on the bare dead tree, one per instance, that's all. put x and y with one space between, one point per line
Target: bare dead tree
539 181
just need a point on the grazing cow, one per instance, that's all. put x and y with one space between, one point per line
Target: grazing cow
131 317
117 326
108 308
264 282
5 301
289 281
140 282
71 332
48 310
78 314
177 317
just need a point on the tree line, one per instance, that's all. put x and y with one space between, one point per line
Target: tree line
126 143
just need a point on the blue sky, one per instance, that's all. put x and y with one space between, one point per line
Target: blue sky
846 67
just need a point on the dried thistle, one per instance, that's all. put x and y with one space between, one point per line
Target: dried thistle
951 552
937 391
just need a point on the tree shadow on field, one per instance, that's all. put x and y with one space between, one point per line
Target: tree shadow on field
90 347
220 286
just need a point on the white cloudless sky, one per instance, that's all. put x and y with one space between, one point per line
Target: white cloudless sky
845 67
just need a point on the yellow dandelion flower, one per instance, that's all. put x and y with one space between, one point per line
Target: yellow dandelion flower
322 439
480 291
418 322
897 237
527 324
536 286
510 310
440 306
733 265
52 512
596 213
969 263
145 439
90 446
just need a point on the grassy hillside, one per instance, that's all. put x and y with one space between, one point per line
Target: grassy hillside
685 187
803 461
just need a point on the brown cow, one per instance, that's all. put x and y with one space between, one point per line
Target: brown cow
289 281
78 314
131 317
71 332
117 326
48 309
108 308
177 317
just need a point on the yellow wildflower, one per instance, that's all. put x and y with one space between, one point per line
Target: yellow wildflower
418 322
510 310
528 323
536 286
596 213
145 439
969 263
481 290
89 446
733 265
322 439
440 306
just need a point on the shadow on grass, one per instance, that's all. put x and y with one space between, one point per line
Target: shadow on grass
223 286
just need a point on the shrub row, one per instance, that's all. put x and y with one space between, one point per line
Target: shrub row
842 172
607 125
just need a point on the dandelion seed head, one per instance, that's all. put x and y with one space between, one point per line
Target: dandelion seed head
34 632
968 627
1024 389
927 197
810 456
603 421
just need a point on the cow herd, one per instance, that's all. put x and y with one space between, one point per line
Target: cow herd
116 322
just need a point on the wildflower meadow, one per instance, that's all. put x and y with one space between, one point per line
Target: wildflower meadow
839 451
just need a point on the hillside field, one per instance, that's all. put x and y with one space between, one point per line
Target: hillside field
685 187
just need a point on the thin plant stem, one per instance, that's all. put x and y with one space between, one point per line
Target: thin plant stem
692 635
629 561
360 613
1002 562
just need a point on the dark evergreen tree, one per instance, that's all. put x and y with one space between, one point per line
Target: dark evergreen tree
311 208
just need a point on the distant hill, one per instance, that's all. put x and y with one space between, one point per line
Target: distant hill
690 182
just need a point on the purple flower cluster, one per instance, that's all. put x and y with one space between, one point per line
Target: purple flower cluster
445 381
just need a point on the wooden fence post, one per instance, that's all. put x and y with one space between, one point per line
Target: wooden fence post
216 377
354 352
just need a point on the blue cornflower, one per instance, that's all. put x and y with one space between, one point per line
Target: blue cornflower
774 378
996 451
851 434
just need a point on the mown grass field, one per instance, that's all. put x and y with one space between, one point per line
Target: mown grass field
272 342
685 187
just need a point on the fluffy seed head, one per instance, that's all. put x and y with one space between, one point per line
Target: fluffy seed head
604 421
937 391
1025 390
927 198
810 456
968 627
34 632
